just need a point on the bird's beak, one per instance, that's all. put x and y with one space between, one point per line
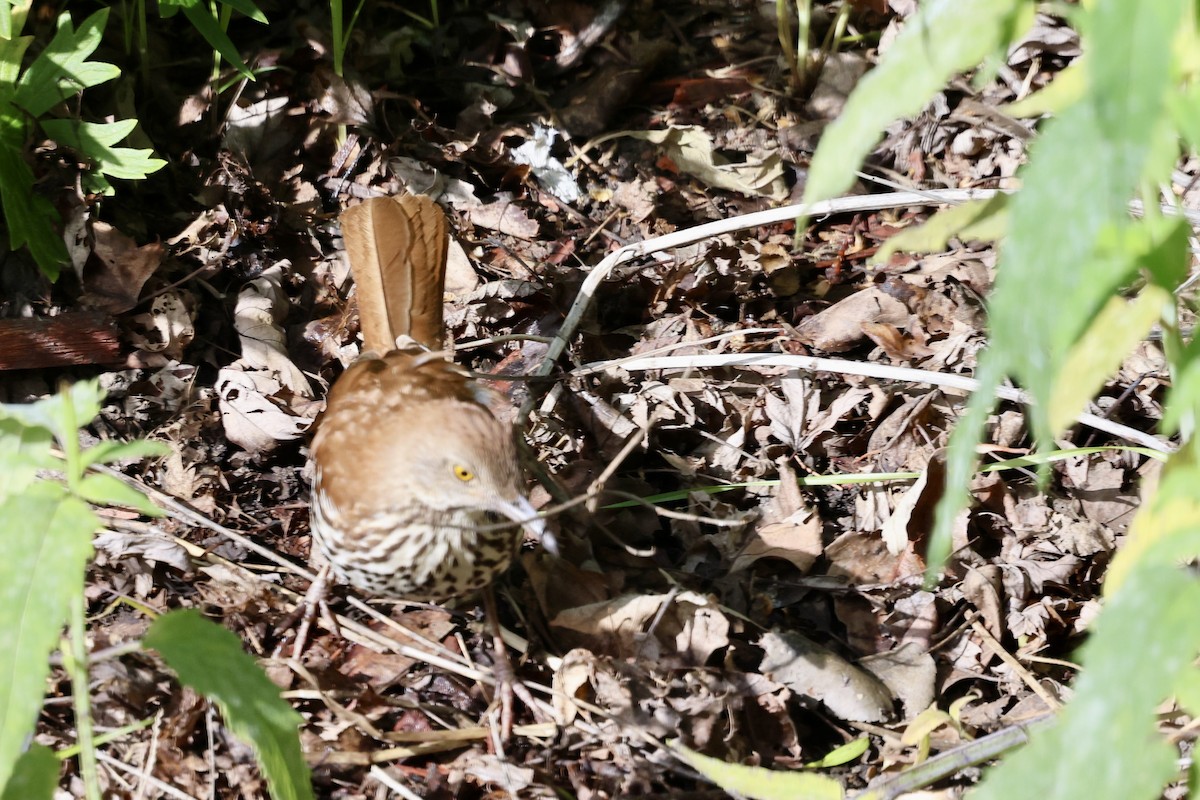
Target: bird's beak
521 512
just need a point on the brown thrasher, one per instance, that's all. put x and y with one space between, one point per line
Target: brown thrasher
413 475
416 490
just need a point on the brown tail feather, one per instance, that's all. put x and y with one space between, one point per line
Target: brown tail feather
397 251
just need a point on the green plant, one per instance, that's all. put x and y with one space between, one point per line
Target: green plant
46 526
803 64
1060 324
27 98
211 19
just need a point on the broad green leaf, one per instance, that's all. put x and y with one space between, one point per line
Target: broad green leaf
62 69
31 218
1183 398
978 220
95 141
47 539
944 38
210 659
1112 335
1106 743
111 451
1066 88
1167 526
51 412
1185 112
761 783
23 451
1051 279
12 52
105 490
1163 250
35 776
18 11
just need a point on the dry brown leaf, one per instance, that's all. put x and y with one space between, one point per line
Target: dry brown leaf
251 419
807 668
840 327
152 547
790 529
898 345
168 326
504 216
909 672
116 284
690 625
261 306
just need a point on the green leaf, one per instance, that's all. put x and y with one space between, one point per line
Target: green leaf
1050 282
105 490
203 21
1106 743
944 38
1051 278
247 8
210 660
47 540
841 755
31 218
35 776
1112 335
12 53
23 451
1185 110
1182 406
111 451
979 220
761 783
51 413
1066 88
1167 526
95 141
62 69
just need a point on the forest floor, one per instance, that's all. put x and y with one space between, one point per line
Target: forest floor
752 614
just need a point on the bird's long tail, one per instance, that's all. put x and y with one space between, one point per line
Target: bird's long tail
397 251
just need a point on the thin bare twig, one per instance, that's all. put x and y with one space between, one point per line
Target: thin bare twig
866 370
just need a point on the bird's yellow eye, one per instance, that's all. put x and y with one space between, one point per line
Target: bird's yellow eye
463 474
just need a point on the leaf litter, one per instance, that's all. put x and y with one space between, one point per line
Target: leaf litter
768 623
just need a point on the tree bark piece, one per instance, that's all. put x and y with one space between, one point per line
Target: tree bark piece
84 337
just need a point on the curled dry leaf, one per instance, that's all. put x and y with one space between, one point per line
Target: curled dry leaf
260 307
115 285
167 327
839 76
909 672
152 547
692 150
571 680
790 529
487 769
255 131
252 420
264 397
549 171
840 327
504 216
814 671
461 278
690 626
